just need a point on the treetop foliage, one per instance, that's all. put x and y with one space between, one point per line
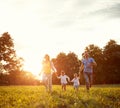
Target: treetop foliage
107 58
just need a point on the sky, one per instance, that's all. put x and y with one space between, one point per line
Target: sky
53 26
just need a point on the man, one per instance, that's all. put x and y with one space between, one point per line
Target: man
87 65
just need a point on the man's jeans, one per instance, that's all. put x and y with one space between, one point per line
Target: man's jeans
88 79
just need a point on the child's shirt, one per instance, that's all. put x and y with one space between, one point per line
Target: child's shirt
76 81
64 79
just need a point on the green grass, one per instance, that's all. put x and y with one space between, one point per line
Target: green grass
106 96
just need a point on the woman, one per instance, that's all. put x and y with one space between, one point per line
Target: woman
47 70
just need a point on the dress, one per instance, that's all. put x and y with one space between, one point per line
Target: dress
76 82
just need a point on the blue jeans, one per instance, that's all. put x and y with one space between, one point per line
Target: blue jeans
88 79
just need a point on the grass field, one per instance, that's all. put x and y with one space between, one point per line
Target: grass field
107 96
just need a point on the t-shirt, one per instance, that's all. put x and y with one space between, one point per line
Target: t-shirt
87 65
63 79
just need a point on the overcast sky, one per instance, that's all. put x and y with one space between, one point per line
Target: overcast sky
53 26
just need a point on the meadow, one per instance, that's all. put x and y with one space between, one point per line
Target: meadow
100 96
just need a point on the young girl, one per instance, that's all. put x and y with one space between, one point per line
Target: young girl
64 79
76 82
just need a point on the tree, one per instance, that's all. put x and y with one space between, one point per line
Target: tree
59 62
73 64
112 62
67 62
12 64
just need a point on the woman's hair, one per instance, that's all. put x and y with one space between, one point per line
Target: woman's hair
47 57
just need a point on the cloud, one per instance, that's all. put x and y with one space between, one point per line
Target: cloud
73 13
109 12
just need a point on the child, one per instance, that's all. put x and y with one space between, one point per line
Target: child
63 78
76 82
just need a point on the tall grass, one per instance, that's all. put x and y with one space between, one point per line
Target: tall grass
36 97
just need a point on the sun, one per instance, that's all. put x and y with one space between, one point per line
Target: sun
32 61
34 67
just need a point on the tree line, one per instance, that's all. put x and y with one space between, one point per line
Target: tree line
106 72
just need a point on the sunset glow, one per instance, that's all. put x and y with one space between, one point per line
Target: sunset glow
51 26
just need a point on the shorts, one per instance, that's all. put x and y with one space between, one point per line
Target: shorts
76 86
63 84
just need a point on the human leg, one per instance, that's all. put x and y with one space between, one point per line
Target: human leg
86 76
45 81
50 82
91 79
64 87
76 87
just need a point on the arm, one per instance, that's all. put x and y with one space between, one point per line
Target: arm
59 77
93 63
53 67
81 68
72 80
68 78
40 73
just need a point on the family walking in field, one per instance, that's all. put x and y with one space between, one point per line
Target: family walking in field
87 64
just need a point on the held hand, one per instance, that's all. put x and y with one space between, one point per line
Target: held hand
56 74
55 71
